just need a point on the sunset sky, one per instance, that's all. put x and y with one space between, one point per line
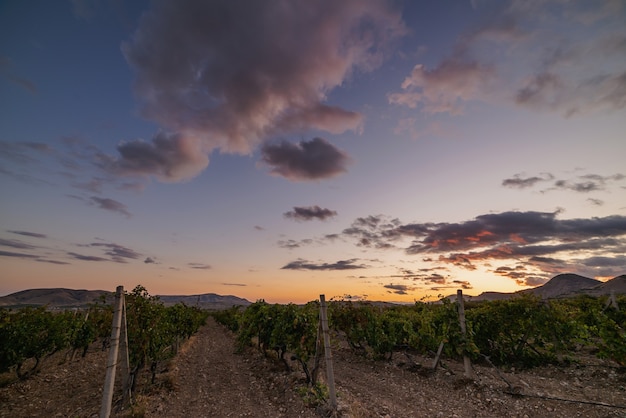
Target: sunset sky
283 149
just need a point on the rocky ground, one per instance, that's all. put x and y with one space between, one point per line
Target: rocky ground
207 379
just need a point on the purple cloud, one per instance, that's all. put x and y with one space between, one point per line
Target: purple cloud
197 77
307 213
339 265
309 160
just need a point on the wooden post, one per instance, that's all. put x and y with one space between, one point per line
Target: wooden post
330 373
318 354
466 360
125 364
438 356
107 394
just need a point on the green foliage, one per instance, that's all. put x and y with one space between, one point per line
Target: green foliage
278 328
154 331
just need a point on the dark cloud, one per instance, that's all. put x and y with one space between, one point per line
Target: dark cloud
463 284
339 265
398 289
235 284
308 160
518 182
374 231
595 202
291 244
86 257
307 213
118 253
16 255
601 261
199 266
539 240
585 183
150 260
16 244
28 234
169 157
111 205
43 260
230 75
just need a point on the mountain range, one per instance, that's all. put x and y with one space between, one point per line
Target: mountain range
70 298
562 285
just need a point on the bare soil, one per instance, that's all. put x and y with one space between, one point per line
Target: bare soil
207 379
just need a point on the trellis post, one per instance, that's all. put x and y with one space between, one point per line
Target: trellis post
330 373
118 327
466 360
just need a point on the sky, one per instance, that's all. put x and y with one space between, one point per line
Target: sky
279 150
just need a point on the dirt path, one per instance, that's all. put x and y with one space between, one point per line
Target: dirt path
211 381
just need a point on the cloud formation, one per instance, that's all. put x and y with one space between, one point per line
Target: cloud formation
230 75
110 205
584 183
301 264
199 266
307 213
538 243
28 234
118 253
308 160
541 55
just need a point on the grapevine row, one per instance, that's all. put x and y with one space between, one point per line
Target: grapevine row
154 332
525 331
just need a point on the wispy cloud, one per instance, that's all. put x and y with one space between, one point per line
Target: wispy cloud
519 182
6 70
84 257
584 183
542 55
199 266
301 264
291 244
110 205
118 253
28 234
16 255
307 213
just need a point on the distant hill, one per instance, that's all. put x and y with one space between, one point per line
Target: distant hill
70 298
205 301
563 285
58 297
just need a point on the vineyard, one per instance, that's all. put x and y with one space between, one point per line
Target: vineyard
154 332
521 332
572 337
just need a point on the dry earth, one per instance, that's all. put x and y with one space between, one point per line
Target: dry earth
207 379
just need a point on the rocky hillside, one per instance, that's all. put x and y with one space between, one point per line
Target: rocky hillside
564 285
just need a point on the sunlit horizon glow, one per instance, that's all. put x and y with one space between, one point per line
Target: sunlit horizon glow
366 149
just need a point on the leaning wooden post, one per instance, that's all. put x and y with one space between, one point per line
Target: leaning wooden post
125 364
466 360
107 394
330 373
